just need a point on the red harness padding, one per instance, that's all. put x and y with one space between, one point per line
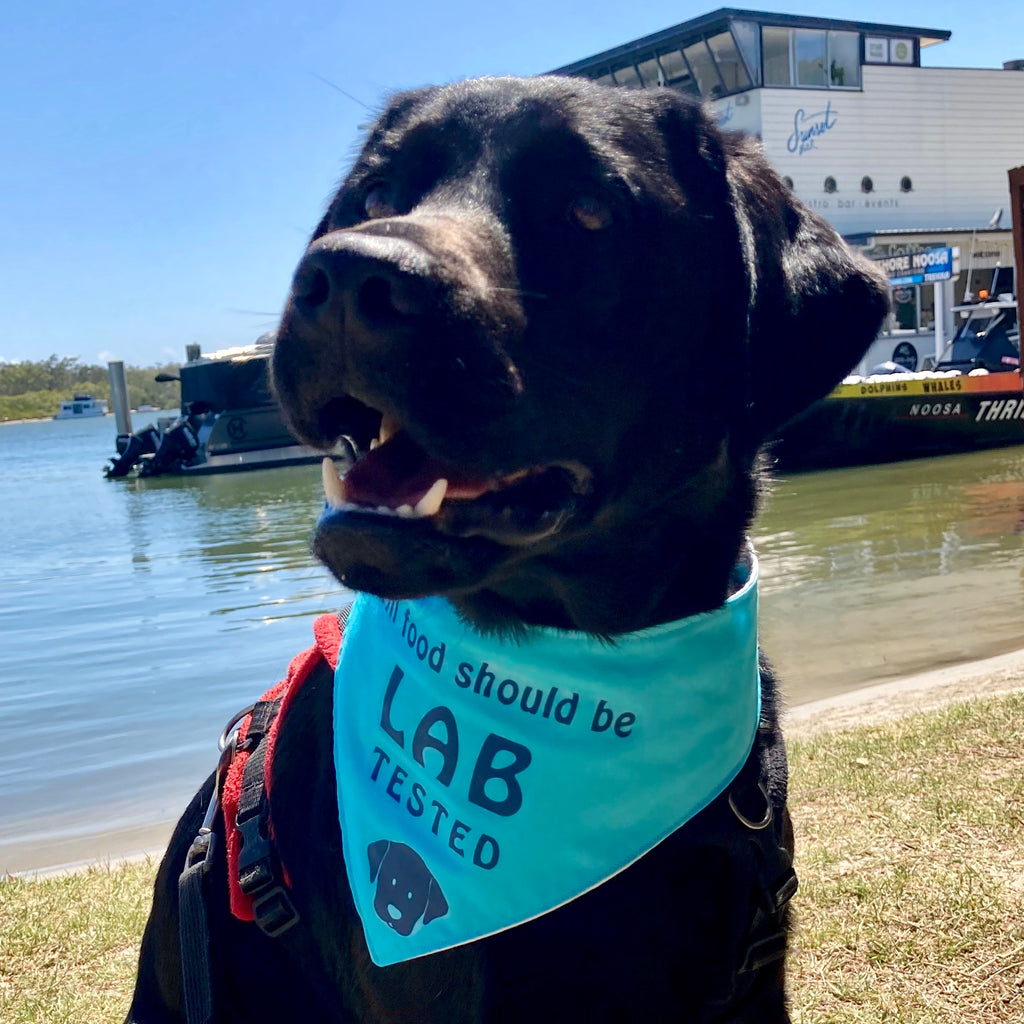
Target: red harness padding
327 643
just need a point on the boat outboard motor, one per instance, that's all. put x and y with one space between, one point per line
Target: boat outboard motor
177 448
130 449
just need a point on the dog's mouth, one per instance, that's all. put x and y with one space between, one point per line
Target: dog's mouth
395 481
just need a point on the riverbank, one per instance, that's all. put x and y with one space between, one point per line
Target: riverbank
907 851
897 698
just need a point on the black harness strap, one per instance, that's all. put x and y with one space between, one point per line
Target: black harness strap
259 868
762 845
194 936
193 924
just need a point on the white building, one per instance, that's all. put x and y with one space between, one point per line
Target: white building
896 156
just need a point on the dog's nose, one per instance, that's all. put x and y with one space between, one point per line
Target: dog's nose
363 281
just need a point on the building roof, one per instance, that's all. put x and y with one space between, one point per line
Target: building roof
941 231
864 237
719 20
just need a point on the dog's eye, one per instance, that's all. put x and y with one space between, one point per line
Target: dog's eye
590 213
378 203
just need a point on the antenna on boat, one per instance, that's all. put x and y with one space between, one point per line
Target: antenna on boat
993 223
968 291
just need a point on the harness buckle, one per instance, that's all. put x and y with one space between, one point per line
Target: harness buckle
272 907
763 952
274 911
255 859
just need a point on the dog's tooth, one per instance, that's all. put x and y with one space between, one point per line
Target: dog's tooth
429 504
389 426
406 511
334 486
374 444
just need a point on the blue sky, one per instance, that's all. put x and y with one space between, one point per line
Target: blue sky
163 163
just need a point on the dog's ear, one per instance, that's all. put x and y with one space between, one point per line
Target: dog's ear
783 279
377 852
814 306
437 905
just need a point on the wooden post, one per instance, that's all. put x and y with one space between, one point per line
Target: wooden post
1017 210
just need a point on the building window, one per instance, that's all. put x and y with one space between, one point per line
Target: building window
830 184
866 184
703 67
730 65
650 73
810 58
628 77
775 50
844 60
748 39
677 72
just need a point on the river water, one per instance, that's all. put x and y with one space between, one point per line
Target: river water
137 616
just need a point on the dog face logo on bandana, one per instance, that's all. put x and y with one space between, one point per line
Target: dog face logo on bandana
407 893
482 783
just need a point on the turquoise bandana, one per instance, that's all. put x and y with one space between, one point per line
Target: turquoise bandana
482 783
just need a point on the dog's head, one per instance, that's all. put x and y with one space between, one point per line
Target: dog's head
406 891
584 309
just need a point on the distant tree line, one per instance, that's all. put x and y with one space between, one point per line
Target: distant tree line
33 390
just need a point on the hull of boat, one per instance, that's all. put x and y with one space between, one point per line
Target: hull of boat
904 416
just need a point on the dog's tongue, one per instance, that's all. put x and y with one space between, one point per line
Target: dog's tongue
399 472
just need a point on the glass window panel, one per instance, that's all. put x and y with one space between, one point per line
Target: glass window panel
730 66
650 73
703 68
677 73
810 57
775 47
844 59
628 77
748 39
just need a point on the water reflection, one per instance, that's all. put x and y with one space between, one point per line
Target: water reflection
880 571
136 616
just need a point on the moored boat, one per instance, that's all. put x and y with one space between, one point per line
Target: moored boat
229 421
81 407
973 398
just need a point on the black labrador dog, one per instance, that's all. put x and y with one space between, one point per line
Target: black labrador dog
558 322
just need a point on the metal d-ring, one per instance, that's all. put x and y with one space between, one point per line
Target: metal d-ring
232 727
202 846
755 826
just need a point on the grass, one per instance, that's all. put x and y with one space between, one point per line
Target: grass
69 944
911 861
911 902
